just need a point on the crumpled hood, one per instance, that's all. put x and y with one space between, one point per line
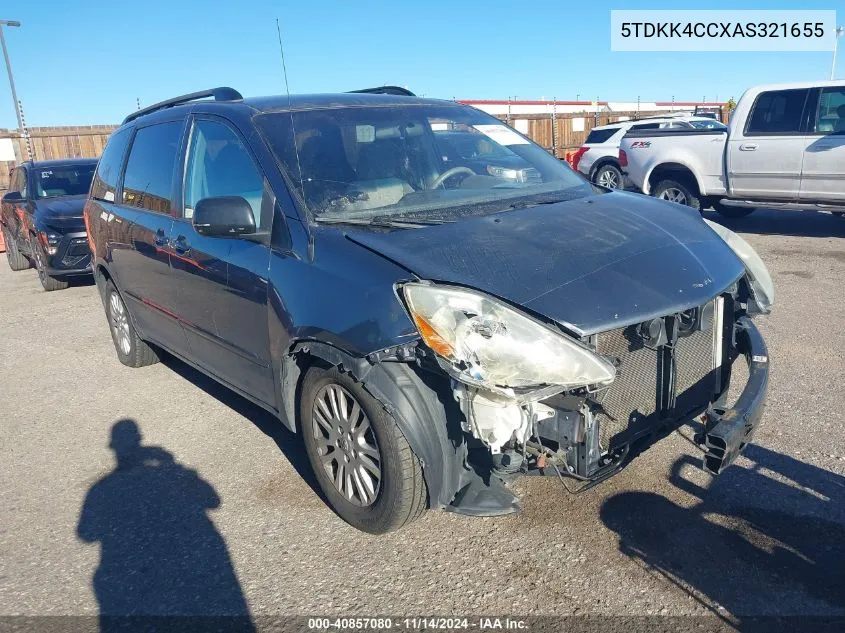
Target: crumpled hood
592 264
64 213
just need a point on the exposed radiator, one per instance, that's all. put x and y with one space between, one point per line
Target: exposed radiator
642 396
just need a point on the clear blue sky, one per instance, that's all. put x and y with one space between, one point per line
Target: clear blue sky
85 62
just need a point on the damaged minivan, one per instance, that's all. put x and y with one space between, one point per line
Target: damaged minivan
433 323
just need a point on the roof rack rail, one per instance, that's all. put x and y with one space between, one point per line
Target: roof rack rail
387 90
220 94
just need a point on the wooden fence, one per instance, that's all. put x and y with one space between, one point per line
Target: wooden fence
563 132
560 132
47 143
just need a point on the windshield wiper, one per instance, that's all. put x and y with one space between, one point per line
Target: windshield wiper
527 204
380 222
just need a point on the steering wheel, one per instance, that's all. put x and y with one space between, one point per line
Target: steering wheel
448 174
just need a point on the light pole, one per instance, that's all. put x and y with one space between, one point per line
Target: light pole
839 31
9 68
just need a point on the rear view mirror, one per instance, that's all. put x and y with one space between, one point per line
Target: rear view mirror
12 196
223 216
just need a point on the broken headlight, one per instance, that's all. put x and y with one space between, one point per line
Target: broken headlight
759 279
489 344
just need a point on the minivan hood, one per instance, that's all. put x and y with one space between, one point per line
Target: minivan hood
591 264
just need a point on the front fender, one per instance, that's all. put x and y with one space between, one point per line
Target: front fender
673 164
419 402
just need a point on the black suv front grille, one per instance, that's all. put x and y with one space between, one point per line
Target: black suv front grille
78 248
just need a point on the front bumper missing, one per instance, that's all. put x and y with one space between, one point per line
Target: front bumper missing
723 436
728 431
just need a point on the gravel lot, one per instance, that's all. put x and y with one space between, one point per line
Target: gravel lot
234 523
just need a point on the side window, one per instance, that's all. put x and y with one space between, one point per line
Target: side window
108 169
601 136
220 165
777 112
830 117
148 183
646 126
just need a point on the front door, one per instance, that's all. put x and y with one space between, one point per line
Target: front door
146 204
222 281
823 175
764 158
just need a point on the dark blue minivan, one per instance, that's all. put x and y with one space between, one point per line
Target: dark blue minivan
433 322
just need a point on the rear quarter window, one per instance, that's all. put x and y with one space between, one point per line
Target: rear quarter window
601 136
108 169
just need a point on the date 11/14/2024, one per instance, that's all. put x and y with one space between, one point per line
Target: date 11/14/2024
418 624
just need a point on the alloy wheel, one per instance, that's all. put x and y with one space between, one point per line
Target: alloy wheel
673 194
609 179
346 445
120 323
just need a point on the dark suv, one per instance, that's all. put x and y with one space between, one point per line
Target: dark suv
430 328
42 219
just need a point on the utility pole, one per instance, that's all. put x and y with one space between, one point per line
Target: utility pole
30 147
9 68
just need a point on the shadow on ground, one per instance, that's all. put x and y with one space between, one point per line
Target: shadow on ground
798 223
289 443
765 540
160 554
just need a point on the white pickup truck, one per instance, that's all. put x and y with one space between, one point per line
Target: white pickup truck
784 149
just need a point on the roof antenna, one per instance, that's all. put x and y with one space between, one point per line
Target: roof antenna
290 103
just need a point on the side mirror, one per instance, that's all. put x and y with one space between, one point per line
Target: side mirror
223 216
12 196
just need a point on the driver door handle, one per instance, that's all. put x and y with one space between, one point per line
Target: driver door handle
748 147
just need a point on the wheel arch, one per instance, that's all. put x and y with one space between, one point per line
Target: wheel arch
601 162
409 396
675 170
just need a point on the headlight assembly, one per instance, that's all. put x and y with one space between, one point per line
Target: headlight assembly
489 344
759 279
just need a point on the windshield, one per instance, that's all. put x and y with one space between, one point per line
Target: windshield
70 180
425 160
708 125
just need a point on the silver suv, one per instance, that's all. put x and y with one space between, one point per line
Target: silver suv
598 157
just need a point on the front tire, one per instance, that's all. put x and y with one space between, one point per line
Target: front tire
362 461
609 176
16 260
131 350
677 192
727 211
47 282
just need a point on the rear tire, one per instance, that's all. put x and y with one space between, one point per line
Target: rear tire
609 176
727 211
677 192
47 282
16 260
381 486
131 350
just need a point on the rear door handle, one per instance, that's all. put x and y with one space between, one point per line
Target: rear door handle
181 246
748 147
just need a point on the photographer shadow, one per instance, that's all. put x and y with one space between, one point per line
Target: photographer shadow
762 541
162 561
